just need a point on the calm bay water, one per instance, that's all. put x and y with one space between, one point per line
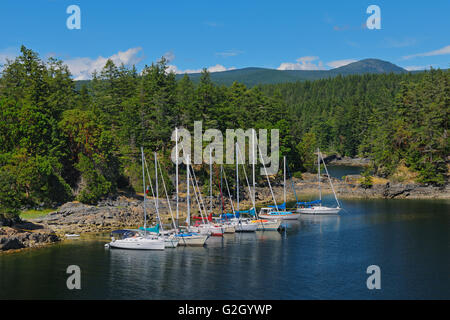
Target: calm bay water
341 171
316 258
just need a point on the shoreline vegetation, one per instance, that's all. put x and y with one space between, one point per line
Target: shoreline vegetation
68 148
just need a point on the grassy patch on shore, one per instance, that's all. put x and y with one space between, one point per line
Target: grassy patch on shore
34 214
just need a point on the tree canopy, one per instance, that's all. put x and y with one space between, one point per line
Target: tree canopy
58 143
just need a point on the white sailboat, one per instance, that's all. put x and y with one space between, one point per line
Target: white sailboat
316 207
262 224
228 227
240 224
138 241
206 226
169 236
189 238
274 212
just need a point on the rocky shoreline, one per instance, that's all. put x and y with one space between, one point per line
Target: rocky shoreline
347 161
26 235
125 211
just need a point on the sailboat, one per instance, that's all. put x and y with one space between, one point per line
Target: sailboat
189 238
135 240
170 240
316 207
240 224
228 227
206 225
278 211
262 224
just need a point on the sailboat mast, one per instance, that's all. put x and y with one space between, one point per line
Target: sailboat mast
210 179
284 183
253 165
176 169
331 183
221 195
156 186
318 173
143 186
237 178
188 219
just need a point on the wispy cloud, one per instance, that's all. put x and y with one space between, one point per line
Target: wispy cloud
8 54
216 68
443 51
340 63
341 28
393 43
82 68
213 24
169 55
229 53
303 63
353 44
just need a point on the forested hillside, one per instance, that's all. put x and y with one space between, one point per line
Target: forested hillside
58 143
392 119
254 76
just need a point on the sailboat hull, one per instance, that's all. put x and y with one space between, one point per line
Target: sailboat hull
138 243
229 229
193 240
245 227
319 211
267 225
288 216
171 242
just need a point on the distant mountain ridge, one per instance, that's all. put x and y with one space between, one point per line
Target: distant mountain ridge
254 76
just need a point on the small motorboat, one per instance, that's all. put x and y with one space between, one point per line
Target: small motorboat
72 235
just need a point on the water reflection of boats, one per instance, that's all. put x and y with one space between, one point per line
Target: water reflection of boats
268 236
322 221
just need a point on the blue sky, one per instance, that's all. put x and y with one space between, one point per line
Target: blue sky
222 35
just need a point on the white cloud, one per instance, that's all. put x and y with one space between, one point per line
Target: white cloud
82 68
442 51
219 68
303 63
340 63
216 68
417 68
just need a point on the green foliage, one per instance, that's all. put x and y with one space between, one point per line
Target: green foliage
390 118
298 175
57 142
307 149
10 196
96 185
367 181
